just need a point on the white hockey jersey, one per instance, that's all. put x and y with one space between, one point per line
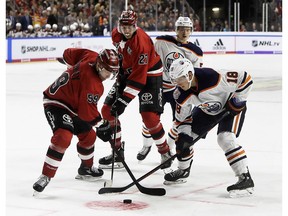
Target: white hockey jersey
170 49
213 90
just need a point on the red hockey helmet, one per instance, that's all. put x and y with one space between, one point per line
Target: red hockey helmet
108 59
128 17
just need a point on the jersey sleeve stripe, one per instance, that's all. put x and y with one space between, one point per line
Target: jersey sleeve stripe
154 73
244 77
130 92
245 87
168 85
187 121
244 82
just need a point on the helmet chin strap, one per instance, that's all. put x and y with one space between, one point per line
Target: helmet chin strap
190 81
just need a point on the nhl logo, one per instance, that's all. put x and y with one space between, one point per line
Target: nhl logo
23 49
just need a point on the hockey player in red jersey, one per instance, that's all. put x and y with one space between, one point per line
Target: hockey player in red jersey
170 48
140 75
211 93
70 106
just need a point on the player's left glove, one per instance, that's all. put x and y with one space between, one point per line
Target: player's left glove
104 131
119 105
183 143
235 106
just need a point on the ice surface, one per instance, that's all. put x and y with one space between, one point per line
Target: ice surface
28 137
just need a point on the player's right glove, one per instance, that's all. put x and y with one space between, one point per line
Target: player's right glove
119 105
104 131
183 143
235 106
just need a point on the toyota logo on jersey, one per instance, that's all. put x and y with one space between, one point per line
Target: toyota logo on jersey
146 97
67 118
112 91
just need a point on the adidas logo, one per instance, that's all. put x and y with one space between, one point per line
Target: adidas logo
219 45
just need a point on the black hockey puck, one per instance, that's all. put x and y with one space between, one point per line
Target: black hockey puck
127 201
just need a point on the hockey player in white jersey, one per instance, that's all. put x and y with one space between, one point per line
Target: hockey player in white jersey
202 96
170 48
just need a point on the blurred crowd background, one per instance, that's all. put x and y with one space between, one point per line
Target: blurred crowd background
71 18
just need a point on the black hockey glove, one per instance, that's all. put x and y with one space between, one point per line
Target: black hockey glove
183 143
119 105
234 106
104 131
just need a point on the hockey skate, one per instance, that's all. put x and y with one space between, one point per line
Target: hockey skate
106 162
143 153
178 176
244 186
89 173
41 183
165 157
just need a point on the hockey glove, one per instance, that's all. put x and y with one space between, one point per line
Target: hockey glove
104 131
183 143
235 106
119 105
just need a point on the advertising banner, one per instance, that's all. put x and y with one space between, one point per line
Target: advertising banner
42 49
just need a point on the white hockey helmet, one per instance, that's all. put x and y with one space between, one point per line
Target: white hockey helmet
64 29
37 26
72 27
8 23
76 24
86 27
179 70
185 22
54 26
47 26
30 27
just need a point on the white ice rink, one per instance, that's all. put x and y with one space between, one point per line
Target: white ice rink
28 137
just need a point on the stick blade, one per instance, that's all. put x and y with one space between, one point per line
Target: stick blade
153 191
111 190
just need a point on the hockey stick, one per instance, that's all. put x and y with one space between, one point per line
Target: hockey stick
142 189
149 191
110 182
121 189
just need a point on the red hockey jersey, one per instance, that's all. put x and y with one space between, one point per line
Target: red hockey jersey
79 88
139 60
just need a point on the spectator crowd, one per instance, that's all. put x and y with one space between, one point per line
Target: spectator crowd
71 18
